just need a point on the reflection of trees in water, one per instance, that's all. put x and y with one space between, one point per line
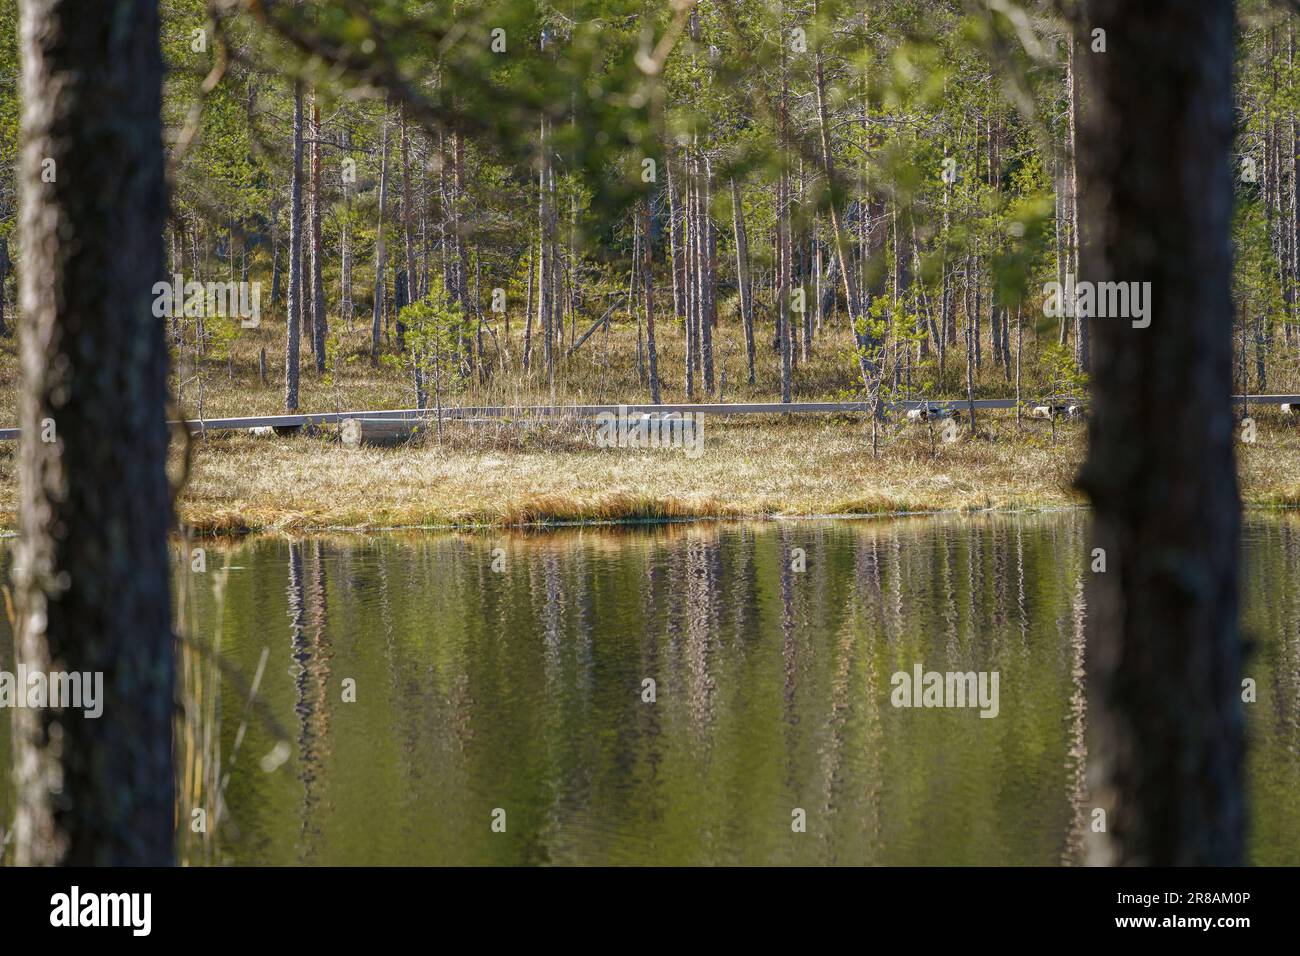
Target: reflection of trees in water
1001 579
866 564
701 625
975 633
853 644
309 647
788 657
772 686
1022 614
300 656
1076 757
1287 677
650 583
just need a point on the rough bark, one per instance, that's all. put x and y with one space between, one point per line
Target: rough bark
92 576
1164 647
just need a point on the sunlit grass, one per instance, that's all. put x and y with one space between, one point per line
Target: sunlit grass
748 468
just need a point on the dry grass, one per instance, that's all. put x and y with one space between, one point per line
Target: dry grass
746 470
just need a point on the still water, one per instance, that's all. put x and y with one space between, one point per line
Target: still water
413 690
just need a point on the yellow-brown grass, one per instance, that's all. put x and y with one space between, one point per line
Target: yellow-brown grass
747 469
506 475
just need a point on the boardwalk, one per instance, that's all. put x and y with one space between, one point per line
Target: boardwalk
294 422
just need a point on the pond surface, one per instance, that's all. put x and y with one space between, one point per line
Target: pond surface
416 688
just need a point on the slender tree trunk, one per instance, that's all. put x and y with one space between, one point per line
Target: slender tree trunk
293 335
320 322
675 244
690 275
345 261
783 235
4 276
408 248
1062 244
1082 338
275 251
851 300
408 234
1164 647
706 271
1020 349
945 296
91 575
528 311
308 316
462 254
545 279
742 275
648 278
1293 226
377 314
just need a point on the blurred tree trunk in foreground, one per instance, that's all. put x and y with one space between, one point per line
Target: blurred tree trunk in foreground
1164 650
93 581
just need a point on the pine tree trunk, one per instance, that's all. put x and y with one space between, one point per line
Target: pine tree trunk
4 276
851 300
742 275
707 274
345 262
648 279
92 572
1293 220
408 236
377 313
458 240
1082 337
675 244
783 238
1164 647
690 276
528 309
293 335
275 252
320 323
546 285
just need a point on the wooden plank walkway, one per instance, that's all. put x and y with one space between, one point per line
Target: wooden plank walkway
591 411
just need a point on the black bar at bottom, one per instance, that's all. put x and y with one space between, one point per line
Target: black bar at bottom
545 906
